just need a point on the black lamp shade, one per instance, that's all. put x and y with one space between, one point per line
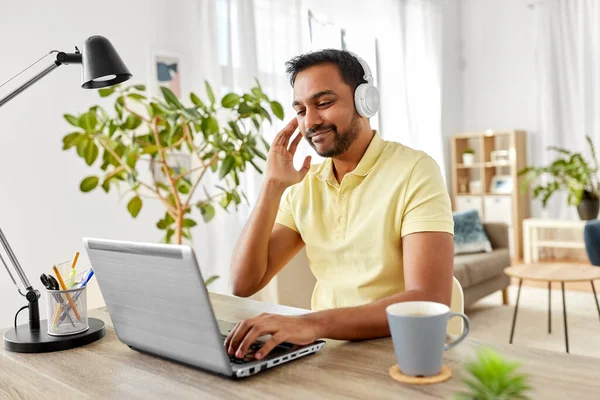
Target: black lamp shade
102 65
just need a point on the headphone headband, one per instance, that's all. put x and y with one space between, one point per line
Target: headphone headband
367 76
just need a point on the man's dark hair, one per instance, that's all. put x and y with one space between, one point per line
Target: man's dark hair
351 70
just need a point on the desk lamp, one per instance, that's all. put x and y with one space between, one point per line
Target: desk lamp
102 67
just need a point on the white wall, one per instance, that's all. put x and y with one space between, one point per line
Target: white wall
452 78
42 212
499 80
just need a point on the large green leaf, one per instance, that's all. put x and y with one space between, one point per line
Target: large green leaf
141 88
196 100
105 92
152 149
89 184
207 211
88 121
73 120
245 109
210 125
211 280
71 140
230 100
132 159
91 153
189 223
265 113
277 109
134 206
257 92
82 146
210 93
137 96
258 153
226 166
236 130
192 114
170 98
132 122
158 109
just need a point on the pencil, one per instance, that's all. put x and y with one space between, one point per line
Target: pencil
75 260
64 287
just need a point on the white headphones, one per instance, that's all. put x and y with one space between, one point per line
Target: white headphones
366 95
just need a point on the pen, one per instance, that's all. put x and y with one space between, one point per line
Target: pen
83 283
62 285
73 272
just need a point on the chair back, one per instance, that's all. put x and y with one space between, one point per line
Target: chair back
457 304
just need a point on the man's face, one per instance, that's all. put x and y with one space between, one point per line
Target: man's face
325 110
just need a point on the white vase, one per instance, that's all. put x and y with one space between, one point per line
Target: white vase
468 158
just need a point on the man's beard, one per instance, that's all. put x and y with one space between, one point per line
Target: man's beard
341 141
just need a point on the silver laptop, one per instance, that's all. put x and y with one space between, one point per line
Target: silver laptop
158 304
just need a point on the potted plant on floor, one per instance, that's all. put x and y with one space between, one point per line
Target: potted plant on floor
142 132
572 172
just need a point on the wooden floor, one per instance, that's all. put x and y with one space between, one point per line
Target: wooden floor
576 286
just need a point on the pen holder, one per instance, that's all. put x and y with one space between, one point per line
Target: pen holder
67 311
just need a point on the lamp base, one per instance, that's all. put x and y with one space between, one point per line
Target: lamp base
23 340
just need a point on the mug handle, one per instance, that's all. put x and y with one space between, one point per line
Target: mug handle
466 330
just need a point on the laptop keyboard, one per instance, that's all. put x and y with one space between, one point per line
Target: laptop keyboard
249 357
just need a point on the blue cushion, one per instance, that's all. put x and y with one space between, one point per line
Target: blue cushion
469 235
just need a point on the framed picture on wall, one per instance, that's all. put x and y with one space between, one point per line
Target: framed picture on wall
164 70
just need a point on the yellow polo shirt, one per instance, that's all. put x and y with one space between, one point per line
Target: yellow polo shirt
353 230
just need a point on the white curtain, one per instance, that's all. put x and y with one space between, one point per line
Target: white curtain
420 103
568 86
238 41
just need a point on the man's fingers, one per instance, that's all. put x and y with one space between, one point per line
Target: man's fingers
250 338
228 346
283 136
295 143
240 334
305 166
275 340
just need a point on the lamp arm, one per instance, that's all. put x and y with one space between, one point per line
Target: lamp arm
61 58
32 295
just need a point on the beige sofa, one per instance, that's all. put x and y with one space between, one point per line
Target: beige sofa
481 274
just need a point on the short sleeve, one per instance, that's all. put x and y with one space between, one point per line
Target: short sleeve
427 204
285 216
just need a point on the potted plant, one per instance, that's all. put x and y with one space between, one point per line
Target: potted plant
572 172
141 132
493 377
468 156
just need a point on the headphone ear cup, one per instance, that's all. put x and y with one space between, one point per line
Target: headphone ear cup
366 100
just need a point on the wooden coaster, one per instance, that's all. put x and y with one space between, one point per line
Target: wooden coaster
443 376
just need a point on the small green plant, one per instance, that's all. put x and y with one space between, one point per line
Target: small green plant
570 171
494 378
469 150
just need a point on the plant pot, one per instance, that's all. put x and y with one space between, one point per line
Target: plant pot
588 209
468 158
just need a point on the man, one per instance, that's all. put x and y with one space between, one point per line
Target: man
375 217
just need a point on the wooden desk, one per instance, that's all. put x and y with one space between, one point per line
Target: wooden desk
109 369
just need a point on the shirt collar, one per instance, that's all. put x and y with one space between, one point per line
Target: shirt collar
365 165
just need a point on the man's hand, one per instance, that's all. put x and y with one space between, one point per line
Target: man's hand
299 330
280 162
